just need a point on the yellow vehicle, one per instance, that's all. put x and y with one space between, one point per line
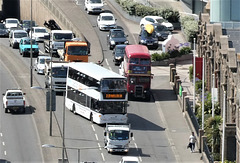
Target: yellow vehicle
74 51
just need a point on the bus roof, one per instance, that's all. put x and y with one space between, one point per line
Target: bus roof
132 50
95 71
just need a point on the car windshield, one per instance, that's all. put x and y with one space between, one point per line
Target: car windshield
2 26
20 35
160 20
118 135
107 18
77 50
40 30
43 60
120 51
118 34
62 36
59 72
28 42
160 28
28 24
12 21
146 34
95 1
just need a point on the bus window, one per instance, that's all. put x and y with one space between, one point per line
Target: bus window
134 61
144 61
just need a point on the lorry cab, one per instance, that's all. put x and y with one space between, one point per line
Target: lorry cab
117 138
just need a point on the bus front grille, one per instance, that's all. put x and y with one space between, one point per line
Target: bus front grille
139 91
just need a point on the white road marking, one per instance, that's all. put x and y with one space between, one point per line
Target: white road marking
106 62
133 138
96 136
110 68
103 157
1 134
136 146
5 153
93 128
41 52
99 146
3 143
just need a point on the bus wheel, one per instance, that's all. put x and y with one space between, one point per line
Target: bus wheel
74 109
91 117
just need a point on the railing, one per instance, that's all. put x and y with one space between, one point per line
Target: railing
190 116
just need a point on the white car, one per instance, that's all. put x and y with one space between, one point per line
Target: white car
15 36
39 64
156 19
106 21
129 159
93 6
39 33
11 22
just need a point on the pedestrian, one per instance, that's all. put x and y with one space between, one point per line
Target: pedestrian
192 141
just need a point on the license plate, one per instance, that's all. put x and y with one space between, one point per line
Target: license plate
149 43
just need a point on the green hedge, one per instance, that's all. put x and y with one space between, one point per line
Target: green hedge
138 9
190 27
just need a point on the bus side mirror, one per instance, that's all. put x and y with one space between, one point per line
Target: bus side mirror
105 134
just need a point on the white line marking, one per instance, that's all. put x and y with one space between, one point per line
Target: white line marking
3 143
96 136
106 62
99 146
93 128
110 68
140 158
1 134
103 157
136 146
5 153
133 138
41 52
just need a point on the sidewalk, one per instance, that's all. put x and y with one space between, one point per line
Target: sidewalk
177 129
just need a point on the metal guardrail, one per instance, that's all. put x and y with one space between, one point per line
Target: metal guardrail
207 152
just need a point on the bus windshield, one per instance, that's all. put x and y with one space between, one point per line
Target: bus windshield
119 135
110 107
113 84
62 36
77 50
59 72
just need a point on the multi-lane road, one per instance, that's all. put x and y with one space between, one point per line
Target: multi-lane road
22 135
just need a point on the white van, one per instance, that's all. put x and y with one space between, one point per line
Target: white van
15 37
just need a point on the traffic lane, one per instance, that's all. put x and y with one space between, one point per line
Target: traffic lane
149 132
79 133
18 131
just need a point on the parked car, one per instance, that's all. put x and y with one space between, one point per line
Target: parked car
3 30
115 37
148 39
162 31
129 159
26 25
15 37
39 34
25 47
118 53
156 19
11 22
106 21
93 6
39 64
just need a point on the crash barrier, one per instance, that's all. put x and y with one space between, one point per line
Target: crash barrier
56 11
187 108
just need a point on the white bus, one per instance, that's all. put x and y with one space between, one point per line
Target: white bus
96 93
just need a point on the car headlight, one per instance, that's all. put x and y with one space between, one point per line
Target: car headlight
112 42
126 42
143 41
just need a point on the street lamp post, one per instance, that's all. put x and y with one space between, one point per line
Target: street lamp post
75 148
31 67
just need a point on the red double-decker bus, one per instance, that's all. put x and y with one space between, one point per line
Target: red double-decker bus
137 68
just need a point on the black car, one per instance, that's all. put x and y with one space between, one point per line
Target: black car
3 30
115 37
148 39
162 31
26 24
118 53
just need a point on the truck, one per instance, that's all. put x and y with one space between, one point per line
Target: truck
56 40
74 51
14 101
56 75
117 137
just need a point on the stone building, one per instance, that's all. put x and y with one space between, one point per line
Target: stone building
221 49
